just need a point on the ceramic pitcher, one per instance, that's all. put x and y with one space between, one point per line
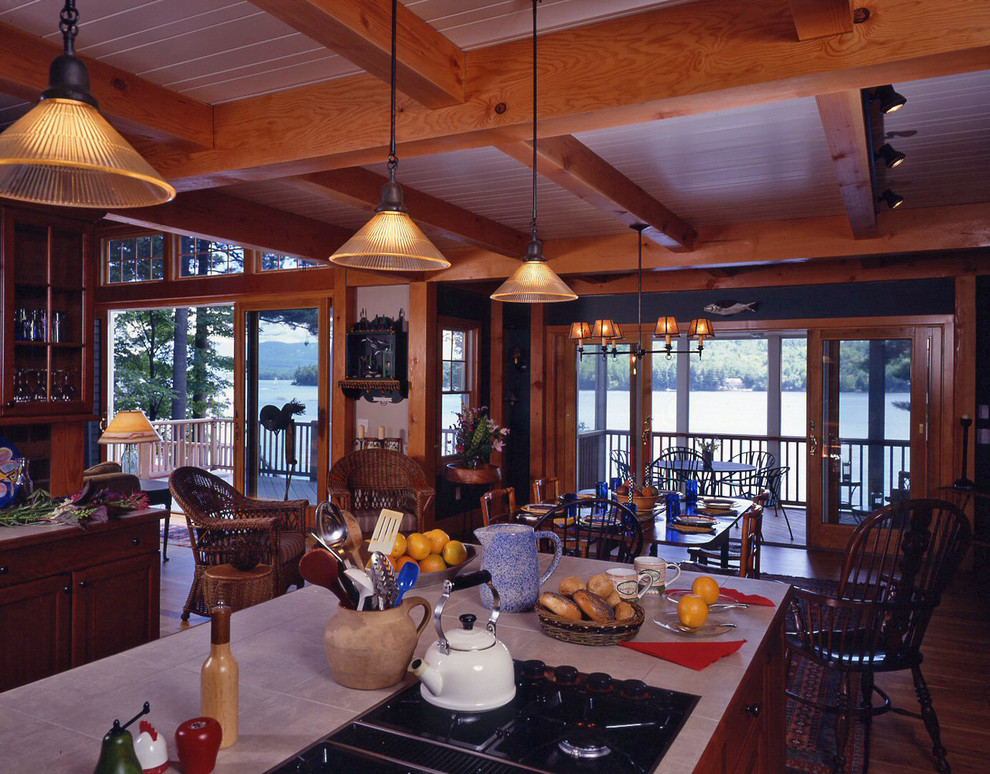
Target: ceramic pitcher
510 556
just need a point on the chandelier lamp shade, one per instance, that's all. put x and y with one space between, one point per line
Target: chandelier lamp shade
534 282
63 152
606 333
391 240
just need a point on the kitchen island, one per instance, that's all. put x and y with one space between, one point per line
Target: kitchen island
288 697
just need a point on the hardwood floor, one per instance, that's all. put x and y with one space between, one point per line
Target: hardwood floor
956 650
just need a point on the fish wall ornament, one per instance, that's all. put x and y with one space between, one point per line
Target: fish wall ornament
731 307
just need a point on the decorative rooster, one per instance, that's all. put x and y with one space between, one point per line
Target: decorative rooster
275 420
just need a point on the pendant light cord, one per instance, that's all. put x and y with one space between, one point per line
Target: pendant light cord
68 25
532 225
393 159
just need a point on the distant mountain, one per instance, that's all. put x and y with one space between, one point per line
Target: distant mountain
279 359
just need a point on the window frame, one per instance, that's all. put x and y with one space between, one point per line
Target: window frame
132 235
472 347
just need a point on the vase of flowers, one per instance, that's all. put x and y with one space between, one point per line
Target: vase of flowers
708 453
476 436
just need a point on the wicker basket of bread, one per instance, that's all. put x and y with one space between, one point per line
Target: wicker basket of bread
588 613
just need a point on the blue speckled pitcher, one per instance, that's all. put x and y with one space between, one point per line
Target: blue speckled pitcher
509 554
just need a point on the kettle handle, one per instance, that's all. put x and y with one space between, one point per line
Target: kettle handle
459 583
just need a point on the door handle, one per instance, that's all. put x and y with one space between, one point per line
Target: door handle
812 440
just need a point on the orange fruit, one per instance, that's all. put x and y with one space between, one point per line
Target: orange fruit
706 588
402 561
692 611
454 553
432 563
417 546
399 547
438 539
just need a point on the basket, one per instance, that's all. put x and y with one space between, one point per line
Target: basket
590 632
644 506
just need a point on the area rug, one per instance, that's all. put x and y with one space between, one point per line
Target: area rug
810 732
178 535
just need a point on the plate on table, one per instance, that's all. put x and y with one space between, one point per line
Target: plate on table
669 622
538 509
436 578
722 603
716 502
694 521
713 510
10 470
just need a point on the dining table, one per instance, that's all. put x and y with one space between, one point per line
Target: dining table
711 474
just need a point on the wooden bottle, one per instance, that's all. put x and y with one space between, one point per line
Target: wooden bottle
219 677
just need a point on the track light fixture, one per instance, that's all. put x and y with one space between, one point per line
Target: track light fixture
891 158
893 200
889 99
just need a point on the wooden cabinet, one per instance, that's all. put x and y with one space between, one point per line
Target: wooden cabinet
47 327
69 596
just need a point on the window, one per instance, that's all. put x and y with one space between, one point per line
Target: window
135 259
458 376
279 262
201 257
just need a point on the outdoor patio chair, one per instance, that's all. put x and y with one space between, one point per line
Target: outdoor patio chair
595 529
772 481
691 467
745 482
498 505
226 527
620 463
898 563
365 481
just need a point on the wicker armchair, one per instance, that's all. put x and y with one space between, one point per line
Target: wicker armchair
224 526
365 481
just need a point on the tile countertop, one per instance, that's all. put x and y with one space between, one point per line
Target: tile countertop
289 699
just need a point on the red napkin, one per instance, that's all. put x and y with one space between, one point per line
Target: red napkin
694 655
735 595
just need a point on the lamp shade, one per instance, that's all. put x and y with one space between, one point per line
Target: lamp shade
606 329
666 326
580 330
701 328
63 152
390 241
534 283
129 427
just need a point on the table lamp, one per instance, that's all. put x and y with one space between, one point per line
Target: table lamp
129 428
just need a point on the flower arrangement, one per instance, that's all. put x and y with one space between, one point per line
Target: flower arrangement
476 436
708 447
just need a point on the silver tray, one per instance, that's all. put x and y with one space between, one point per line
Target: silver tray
427 579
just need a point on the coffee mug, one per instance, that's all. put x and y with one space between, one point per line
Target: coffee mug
657 568
629 583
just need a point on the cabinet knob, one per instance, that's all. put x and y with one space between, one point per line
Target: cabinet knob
135 541
4 570
84 584
753 709
67 589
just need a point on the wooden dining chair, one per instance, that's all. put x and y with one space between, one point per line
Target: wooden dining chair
546 490
898 563
744 554
498 505
595 529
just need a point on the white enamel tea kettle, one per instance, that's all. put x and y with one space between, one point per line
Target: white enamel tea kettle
467 670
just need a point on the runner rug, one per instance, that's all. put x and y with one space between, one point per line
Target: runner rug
178 535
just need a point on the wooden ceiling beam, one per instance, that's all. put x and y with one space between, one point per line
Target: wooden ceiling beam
362 188
845 131
137 107
430 68
821 18
576 168
748 244
687 59
225 218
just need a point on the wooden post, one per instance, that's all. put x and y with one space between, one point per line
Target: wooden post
423 381
496 381
537 411
342 408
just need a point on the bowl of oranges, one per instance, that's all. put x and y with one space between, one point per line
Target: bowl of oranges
439 558
691 616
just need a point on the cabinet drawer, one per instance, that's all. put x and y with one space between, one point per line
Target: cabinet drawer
18 565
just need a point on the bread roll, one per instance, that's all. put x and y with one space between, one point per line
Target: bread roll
560 605
623 611
571 584
613 599
593 606
601 585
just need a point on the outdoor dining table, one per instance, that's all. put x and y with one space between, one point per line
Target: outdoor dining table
713 472
659 532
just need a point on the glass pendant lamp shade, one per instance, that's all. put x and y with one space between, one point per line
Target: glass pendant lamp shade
666 327
606 329
64 153
534 282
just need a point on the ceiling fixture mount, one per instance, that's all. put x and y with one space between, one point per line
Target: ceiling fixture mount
534 282
391 240
64 153
890 100
893 200
891 158
608 333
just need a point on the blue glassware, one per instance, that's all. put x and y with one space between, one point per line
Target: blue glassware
601 490
691 490
673 505
615 483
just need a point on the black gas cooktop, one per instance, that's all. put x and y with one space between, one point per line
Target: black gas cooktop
560 721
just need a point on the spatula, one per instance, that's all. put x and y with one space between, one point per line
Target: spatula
386 528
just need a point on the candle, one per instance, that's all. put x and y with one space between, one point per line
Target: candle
381 432
965 417
360 431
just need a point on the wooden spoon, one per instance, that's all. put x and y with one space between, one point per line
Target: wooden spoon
320 569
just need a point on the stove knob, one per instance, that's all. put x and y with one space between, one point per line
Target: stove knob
534 669
599 682
565 675
634 689
467 620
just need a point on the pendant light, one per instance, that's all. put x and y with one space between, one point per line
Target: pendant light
63 152
534 282
391 241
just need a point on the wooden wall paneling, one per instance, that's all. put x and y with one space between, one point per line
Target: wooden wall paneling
423 381
342 408
538 365
496 369
67 460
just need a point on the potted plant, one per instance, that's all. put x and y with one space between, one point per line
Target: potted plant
476 436
708 453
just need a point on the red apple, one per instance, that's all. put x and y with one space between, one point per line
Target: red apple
198 742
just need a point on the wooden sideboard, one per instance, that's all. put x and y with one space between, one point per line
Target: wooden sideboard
69 596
